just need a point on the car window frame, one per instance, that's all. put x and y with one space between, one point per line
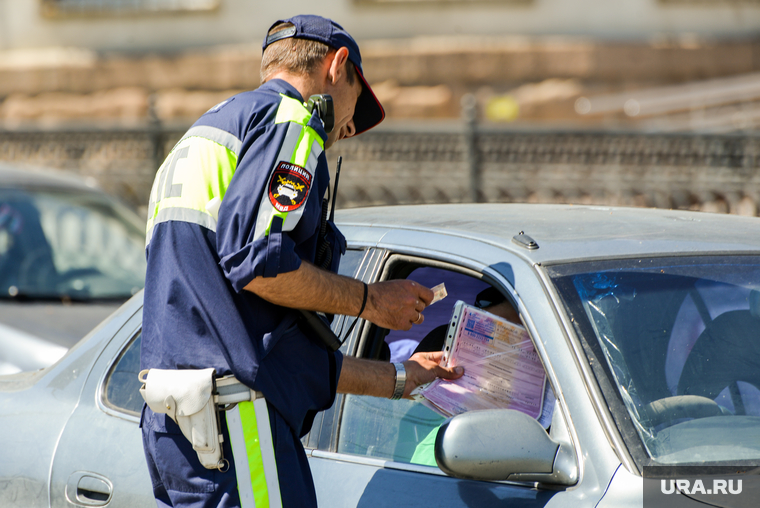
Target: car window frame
358 339
398 264
124 337
323 433
103 388
387 270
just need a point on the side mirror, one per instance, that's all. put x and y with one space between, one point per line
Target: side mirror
503 444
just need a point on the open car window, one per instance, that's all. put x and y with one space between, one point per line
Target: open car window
402 344
404 430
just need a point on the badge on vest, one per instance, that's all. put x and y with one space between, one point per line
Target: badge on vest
289 186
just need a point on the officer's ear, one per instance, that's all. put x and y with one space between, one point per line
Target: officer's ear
337 68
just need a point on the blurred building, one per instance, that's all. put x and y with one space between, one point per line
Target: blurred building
565 62
150 25
103 87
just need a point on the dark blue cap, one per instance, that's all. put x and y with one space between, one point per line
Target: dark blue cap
369 112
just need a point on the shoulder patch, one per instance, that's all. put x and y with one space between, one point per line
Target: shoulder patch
289 186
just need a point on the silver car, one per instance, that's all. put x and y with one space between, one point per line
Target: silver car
69 256
646 323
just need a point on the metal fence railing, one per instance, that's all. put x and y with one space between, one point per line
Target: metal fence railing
456 163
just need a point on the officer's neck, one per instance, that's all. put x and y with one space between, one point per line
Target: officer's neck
306 85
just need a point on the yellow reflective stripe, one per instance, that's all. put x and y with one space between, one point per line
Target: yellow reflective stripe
253 453
266 443
216 135
196 171
253 449
300 148
304 146
292 110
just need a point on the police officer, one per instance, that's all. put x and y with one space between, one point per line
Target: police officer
233 232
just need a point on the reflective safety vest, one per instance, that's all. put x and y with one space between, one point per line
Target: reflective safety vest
238 197
191 183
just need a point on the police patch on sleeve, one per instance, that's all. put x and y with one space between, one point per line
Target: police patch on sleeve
289 186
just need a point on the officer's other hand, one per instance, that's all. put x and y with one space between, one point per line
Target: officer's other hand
424 367
397 304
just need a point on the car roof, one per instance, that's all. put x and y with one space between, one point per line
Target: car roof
571 232
42 178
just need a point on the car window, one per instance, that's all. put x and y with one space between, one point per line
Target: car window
401 344
388 429
675 346
404 430
350 261
75 245
121 385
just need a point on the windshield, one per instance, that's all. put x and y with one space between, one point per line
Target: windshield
68 244
677 347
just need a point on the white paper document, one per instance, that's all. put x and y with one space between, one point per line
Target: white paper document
502 368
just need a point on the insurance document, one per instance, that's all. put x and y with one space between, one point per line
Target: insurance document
502 368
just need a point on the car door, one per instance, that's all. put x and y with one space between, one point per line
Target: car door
364 452
99 460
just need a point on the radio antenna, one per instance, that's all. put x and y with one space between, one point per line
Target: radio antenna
335 187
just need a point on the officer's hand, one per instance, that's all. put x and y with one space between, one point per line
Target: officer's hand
397 304
423 368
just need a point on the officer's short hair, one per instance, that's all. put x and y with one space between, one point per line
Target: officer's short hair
297 56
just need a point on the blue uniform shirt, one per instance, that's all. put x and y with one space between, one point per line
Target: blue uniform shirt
240 196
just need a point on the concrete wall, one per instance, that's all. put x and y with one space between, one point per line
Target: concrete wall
420 78
23 26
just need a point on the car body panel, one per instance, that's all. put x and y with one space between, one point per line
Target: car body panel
565 233
69 256
35 408
63 441
115 455
625 490
25 352
376 483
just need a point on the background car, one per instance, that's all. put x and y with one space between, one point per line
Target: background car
645 322
69 256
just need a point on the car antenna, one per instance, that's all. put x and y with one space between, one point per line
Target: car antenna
335 187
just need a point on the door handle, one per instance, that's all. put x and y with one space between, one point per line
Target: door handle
88 489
